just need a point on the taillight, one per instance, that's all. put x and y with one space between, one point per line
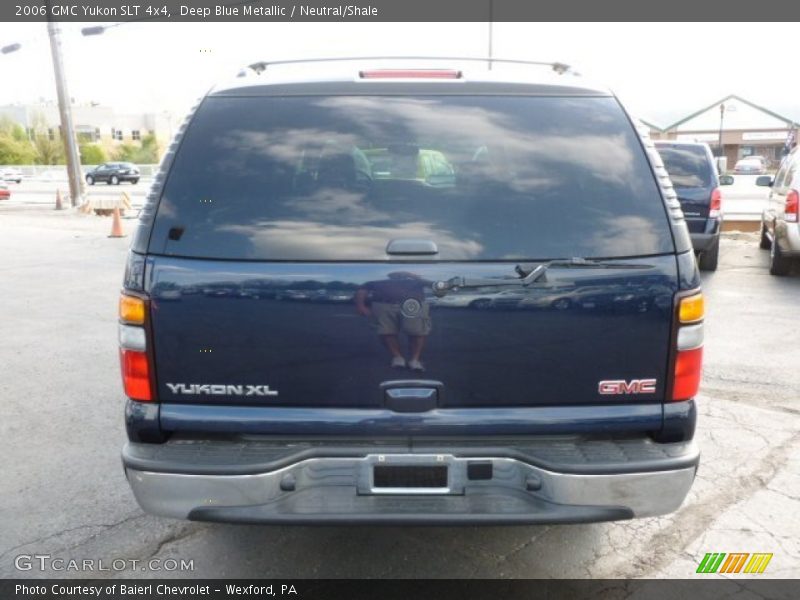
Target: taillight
410 74
716 204
135 375
792 206
133 359
688 367
689 346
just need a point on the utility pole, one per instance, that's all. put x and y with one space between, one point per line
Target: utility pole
491 27
721 120
65 112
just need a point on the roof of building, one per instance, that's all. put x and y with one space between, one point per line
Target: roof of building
778 120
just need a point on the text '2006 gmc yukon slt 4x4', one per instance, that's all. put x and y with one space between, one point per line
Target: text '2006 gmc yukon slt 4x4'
423 295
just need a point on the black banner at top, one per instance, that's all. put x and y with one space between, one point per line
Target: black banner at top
248 11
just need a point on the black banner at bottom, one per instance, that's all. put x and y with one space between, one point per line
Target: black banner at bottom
385 589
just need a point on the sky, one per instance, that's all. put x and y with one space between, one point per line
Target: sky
662 71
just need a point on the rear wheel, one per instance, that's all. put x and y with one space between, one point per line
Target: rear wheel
90 180
114 180
778 263
709 258
764 242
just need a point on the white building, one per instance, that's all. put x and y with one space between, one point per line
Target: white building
745 129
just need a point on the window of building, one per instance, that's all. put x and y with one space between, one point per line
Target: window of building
116 134
135 135
51 134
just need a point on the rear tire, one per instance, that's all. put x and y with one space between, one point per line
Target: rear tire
114 180
779 264
764 242
90 180
710 258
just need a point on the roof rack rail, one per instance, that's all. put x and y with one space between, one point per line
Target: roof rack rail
261 66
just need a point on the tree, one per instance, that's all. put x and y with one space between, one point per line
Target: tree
125 153
13 152
149 149
144 154
92 154
48 151
15 148
12 129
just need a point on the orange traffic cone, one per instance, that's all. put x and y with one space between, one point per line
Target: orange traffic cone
116 225
59 205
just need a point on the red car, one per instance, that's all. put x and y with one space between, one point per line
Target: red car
4 193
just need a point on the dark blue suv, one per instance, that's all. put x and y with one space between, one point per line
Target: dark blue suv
300 341
693 173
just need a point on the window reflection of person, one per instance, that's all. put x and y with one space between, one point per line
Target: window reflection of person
384 301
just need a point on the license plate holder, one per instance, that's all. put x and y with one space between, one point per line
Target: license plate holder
407 474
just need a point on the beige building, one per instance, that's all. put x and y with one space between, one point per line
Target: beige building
96 123
746 128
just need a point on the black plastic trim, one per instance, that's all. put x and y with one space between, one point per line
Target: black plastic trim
487 507
142 422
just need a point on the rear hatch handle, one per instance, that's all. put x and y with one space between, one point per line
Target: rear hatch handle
411 246
527 275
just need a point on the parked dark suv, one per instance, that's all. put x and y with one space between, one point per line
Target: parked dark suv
694 175
249 401
113 173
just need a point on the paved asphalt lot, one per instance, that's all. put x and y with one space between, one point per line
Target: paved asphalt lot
62 490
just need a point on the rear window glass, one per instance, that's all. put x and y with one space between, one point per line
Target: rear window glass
688 166
339 177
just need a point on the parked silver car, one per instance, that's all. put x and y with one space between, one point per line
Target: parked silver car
11 174
752 165
780 230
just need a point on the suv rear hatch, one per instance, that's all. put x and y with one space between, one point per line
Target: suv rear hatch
300 239
691 170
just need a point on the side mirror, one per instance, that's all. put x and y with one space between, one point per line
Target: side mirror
726 179
764 181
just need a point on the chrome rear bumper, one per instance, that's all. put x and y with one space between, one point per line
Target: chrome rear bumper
343 489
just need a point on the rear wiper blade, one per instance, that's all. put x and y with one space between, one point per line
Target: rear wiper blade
528 276
532 274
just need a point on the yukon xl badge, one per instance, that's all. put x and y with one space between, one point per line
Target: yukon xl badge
615 387
200 389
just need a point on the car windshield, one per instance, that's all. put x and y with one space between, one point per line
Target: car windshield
339 177
688 165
